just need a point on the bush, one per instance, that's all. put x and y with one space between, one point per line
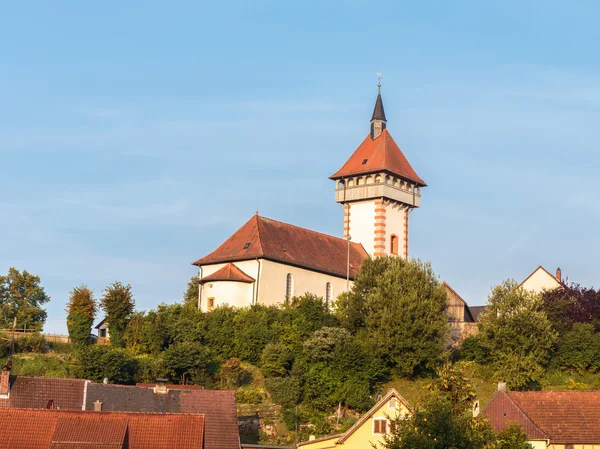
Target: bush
4 344
276 360
31 343
284 391
250 395
579 348
472 349
233 374
100 362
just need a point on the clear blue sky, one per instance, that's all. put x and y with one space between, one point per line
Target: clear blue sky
136 136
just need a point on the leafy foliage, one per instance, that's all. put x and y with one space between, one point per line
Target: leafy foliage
566 306
81 310
118 304
22 297
579 349
99 362
398 306
518 334
192 293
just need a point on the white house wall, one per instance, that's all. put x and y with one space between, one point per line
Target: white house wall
539 281
273 282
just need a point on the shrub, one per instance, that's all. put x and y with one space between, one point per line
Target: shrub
276 360
233 374
284 391
31 343
579 348
100 362
250 395
472 349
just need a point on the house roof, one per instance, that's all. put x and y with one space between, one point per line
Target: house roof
100 323
228 273
217 405
563 417
377 155
358 424
476 311
262 237
68 394
36 392
59 429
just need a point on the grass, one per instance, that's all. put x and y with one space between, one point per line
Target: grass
47 365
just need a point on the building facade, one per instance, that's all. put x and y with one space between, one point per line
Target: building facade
269 262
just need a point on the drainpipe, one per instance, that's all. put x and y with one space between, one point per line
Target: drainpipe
257 281
201 287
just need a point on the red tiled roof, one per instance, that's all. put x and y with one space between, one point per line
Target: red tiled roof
58 429
380 154
565 417
35 392
288 244
228 273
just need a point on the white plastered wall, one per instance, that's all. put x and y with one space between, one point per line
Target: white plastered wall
394 224
539 281
362 224
273 282
236 294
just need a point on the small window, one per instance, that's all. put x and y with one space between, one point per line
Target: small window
211 303
289 287
327 295
377 179
394 244
247 245
364 161
393 403
380 426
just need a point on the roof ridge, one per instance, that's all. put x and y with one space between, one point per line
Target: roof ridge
524 413
309 230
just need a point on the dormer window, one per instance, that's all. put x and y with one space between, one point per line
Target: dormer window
364 161
247 245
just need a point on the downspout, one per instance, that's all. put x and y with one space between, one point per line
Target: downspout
257 281
85 385
200 290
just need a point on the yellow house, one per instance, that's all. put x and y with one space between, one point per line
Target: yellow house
370 429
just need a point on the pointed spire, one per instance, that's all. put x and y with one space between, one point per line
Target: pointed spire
378 120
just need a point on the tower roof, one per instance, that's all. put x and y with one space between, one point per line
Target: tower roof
262 237
378 112
377 155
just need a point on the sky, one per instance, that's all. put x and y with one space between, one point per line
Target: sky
137 136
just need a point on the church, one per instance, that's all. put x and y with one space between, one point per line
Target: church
268 261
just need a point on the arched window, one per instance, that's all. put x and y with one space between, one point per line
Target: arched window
289 287
327 295
350 182
394 244
341 185
377 179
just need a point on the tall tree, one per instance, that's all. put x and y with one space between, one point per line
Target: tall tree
118 304
22 297
192 293
400 308
81 310
518 334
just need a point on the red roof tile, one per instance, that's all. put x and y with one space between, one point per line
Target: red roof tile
380 154
228 273
565 417
36 392
58 429
288 244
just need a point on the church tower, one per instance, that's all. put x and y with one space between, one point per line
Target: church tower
378 189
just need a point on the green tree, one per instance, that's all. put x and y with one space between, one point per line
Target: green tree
192 293
22 297
185 361
276 360
100 362
400 308
118 305
579 349
512 437
81 310
518 335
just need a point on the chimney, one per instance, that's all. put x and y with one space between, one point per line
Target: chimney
5 384
98 406
558 275
502 386
161 386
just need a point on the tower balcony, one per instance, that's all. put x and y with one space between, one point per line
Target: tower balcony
377 186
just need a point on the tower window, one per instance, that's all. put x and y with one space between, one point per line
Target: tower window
327 295
394 244
289 287
211 303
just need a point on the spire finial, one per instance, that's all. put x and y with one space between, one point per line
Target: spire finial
378 82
